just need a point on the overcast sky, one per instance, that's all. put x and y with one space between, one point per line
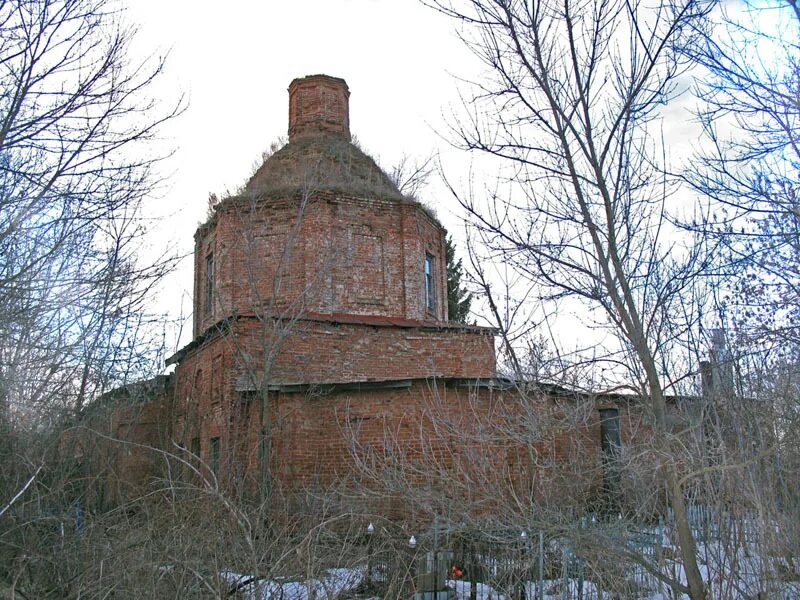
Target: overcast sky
235 64
235 60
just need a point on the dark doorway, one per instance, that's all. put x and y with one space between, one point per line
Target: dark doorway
610 443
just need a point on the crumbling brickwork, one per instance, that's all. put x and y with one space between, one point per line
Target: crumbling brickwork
321 326
319 274
326 253
118 440
319 104
322 345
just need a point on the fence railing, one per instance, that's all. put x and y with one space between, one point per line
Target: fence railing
594 559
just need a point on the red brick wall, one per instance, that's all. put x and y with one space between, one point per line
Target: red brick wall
423 434
319 104
337 255
490 438
323 351
119 441
327 352
319 352
142 429
199 412
473 445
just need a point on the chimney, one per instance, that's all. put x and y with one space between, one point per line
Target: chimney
319 105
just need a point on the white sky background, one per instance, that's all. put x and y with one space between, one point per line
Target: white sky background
234 62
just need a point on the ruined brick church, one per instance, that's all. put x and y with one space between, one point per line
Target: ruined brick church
322 348
320 304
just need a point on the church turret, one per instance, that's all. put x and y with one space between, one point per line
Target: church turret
319 104
320 229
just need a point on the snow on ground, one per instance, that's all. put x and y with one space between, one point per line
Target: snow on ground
328 587
552 590
716 565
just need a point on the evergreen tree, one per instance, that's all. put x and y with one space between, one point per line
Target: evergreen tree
458 299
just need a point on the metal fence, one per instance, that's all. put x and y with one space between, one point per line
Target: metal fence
595 558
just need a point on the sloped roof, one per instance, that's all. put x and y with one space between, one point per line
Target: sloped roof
321 162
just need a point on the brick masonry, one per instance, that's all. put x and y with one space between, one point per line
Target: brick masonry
315 276
327 254
313 335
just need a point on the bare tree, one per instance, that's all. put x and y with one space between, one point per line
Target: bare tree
749 76
77 115
568 104
410 177
749 171
276 302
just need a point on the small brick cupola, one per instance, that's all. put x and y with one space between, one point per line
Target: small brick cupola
320 153
319 104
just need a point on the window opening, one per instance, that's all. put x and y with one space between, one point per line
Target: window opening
609 432
213 459
197 390
430 299
610 443
216 379
263 451
195 449
209 292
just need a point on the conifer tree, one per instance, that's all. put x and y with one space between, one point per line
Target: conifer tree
458 298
